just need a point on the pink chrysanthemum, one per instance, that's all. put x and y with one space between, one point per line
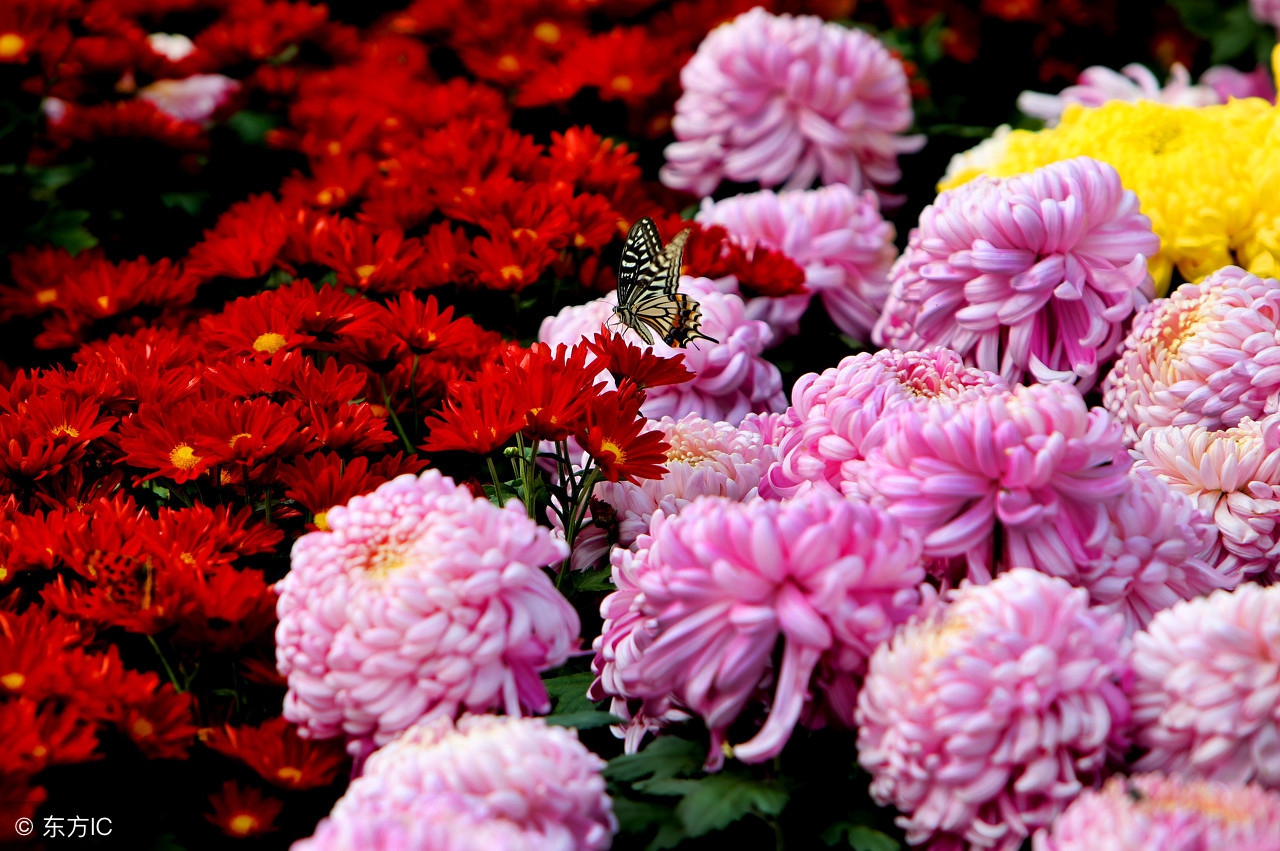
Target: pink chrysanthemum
1151 812
833 412
420 600
1265 11
703 604
195 98
1035 465
1097 85
705 459
1155 553
835 234
488 782
775 98
1208 355
1206 701
731 379
1029 275
982 720
1233 475
1231 83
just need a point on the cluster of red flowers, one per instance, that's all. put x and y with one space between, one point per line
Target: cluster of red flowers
156 479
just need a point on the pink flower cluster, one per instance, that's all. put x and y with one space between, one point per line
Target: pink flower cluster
731 379
1097 84
1206 700
486 782
1151 812
1034 275
986 715
834 413
420 601
1035 463
711 593
835 234
777 99
1207 355
1265 11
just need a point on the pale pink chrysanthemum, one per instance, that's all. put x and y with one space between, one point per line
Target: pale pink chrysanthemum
704 602
486 782
776 99
1208 355
1231 83
731 378
1233 475
1265 11
705 459
1206 699
1097 84
771 427
195 98
419 601
833 412
1035 465
1034 275
1152 812
835 234
1154 554
982 719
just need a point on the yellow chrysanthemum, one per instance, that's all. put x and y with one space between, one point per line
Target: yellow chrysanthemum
1208 177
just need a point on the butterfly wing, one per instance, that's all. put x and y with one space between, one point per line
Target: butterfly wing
677 319
667 275
641 254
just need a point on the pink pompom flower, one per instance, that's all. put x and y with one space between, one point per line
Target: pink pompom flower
1233 475
1035 463
1096 85
195 98
710 593
835 234
1207 355
833 413
1152 812
419 601
731 378
777 99
983 719
486 782
1155 553
1206 699
1029 275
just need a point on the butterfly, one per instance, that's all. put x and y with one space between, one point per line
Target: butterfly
648 298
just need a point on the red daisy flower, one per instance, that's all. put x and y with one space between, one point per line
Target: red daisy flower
321 481
274 750
641 366
248 432
552 390
245 243
241 813
261 324
161 724
615 438
478 417
38 273
163 439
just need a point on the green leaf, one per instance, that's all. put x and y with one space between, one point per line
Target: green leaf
721 799
638 816
568 693
668 756
1236 35
859 837
670 834
600 579
584 720
252 127
1201 17
65 229
188 202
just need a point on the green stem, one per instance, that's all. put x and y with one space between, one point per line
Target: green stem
395 421
165 662
526 475
581 501
497 483
413 395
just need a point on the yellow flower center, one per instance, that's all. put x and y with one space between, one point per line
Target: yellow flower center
270 342
289 774
619 456
366 271
142 728
512 273
235 437
322 521
183 457
547 32
621 83
48 296
13 681
66 429
243 824
508 63
11 45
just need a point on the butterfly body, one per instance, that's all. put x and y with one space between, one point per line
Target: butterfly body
649 300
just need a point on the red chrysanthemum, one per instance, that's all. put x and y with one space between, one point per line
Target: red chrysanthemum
615 438
641 366
274 750
242 813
